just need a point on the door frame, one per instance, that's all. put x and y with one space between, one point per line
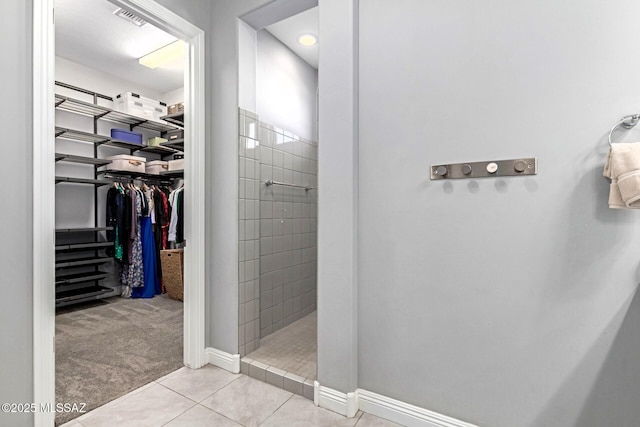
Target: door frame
44 190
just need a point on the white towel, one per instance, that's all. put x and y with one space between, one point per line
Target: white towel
623 168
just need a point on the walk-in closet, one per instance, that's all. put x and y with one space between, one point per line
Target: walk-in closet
119 127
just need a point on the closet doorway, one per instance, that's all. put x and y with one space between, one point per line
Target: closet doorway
45 259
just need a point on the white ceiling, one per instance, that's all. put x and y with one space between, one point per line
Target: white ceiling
87 32
288 30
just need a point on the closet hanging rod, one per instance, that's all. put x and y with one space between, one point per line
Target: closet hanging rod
271 182
150 180
627 122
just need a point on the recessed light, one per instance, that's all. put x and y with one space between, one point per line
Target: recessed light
307 39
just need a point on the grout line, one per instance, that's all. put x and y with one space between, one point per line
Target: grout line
222 388
278 408
223 415
181 413
177 392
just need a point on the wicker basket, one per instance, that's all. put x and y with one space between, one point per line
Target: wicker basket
172 261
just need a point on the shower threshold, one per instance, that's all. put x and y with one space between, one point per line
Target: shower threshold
287 357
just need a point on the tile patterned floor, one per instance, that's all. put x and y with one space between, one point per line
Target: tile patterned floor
213 397
293 348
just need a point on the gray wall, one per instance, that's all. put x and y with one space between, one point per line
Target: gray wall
338 196
16 306
223 166
247 56
219 20
504 302
285 87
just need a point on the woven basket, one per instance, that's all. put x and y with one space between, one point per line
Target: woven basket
172 262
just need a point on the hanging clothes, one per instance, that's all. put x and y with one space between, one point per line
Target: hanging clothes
180 225
167 217
114 218
151 282
142 222
131 273
160 222
160 217
176 224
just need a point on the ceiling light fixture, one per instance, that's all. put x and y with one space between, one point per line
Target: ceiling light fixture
165 54
308 39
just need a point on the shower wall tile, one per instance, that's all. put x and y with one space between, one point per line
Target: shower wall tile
249 168
278 173
266 299
287 228
276 229
278 158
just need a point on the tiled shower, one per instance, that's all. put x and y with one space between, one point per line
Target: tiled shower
277 229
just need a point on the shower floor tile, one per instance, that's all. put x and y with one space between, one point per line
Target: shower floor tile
293 348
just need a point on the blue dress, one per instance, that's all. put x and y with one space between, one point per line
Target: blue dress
151 280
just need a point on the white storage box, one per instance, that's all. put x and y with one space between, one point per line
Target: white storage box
136 105
156 166
176 165
124 162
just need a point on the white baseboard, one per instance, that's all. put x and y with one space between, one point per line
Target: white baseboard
224 360
342 403
347 404
404 413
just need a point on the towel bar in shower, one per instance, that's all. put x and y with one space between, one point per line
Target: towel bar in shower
270 182
627 122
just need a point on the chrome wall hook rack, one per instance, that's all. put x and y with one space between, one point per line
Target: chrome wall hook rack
512 167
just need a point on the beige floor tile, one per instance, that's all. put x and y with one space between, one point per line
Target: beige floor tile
299 411
199 416
368 420
72 423
170 374
154 406
198 384
247 401
108 405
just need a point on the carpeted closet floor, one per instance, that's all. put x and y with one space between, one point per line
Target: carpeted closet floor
113 346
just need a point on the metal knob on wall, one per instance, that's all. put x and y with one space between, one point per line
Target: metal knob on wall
492 168
440 171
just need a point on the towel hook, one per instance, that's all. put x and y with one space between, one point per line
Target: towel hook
627 122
